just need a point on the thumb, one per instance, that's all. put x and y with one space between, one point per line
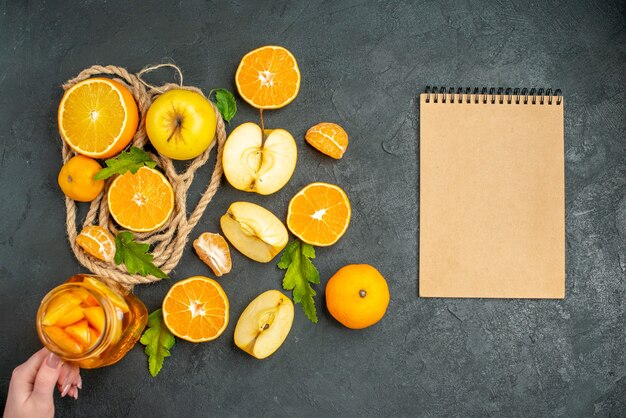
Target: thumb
46 379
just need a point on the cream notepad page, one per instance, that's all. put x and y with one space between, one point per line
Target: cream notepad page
492 198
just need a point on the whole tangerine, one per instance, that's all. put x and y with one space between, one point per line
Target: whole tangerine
76 179
357 296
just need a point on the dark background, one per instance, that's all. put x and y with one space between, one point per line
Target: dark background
363 65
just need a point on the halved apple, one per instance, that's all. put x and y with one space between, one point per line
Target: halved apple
264 324
255 231
254 166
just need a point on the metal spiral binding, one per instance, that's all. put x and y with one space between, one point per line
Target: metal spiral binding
501 95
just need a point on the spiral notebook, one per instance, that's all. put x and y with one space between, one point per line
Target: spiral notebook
492 194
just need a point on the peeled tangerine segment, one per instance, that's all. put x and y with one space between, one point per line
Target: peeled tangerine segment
63 340
95 317
213 250
114 297
80 331
59 307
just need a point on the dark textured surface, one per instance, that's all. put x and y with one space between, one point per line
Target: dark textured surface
363 64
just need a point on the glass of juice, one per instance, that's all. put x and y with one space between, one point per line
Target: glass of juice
90 323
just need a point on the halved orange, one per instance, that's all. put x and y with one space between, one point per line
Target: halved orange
98 117
141 202
268 77
213 250
328 138
97 242
319 214
196 309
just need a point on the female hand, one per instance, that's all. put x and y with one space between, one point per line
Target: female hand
32 385
69 380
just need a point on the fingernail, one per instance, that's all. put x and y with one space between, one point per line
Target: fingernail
76 394
80 382
66 389
53 361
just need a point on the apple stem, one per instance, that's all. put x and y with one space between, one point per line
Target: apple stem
262 127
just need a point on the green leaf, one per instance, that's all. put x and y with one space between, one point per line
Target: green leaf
131 161
135 256
158 341
301 272
225 102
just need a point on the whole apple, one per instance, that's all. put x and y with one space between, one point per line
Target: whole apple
181 124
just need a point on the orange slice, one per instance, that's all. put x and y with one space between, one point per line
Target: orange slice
213 250
196 309
98 117
319 214
328 138
268 77
141 202
97 242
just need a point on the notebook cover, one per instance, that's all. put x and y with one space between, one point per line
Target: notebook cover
492 199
